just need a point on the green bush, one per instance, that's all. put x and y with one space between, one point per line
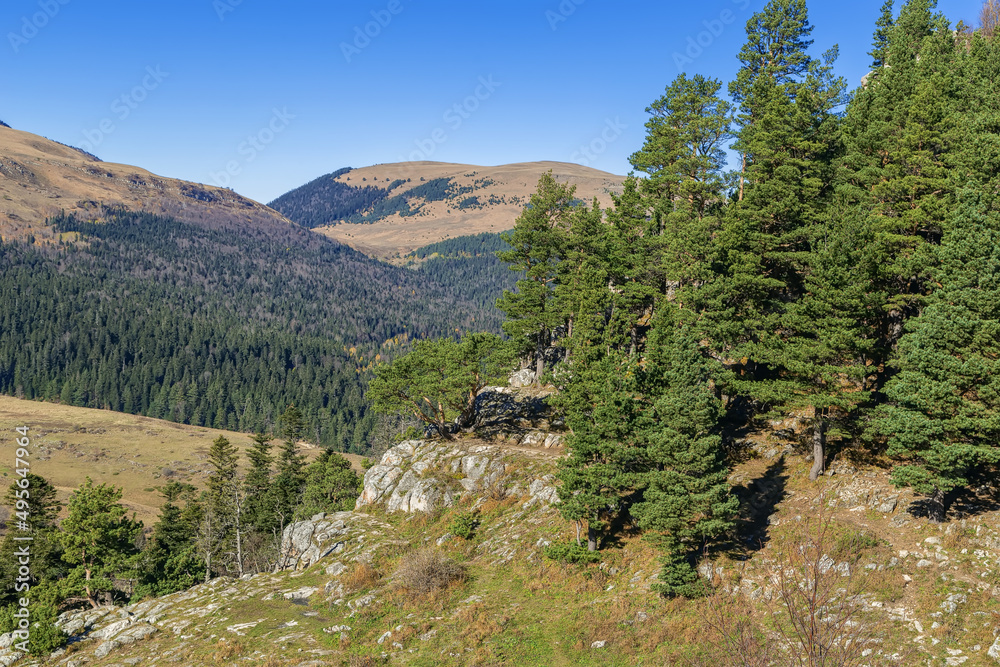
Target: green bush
464 525
572 552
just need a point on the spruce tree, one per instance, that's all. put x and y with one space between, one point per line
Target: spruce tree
602 409
257 484
687 501
286 491
943 417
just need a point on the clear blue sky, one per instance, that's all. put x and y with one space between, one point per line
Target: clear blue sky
180 87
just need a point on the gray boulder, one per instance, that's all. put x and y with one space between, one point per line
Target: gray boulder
421 476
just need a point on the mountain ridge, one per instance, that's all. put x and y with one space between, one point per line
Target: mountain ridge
42 179
389 210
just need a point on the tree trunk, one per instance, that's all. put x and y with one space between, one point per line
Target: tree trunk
591 539
936 511
579 525
819 449
743 170
540 357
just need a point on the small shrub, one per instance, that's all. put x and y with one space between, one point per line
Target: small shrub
226 651
361 576
464 525
427 571
572 552
853 543
367 463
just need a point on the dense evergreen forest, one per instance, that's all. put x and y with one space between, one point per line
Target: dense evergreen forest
326 200
153 316
469 265
845 276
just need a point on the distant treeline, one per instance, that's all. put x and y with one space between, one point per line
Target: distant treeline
468 264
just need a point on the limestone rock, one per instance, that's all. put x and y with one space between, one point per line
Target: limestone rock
305 543
422 476
994 651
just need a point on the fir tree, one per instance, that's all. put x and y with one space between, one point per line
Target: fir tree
943 416
687 501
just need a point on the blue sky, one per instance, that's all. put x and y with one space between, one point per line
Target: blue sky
265 96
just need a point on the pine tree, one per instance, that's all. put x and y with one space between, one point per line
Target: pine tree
901 139
536 247
687 501
789 135
880 40
98 539
331 486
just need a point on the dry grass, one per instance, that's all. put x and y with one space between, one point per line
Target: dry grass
428 570
135 453
361 576
227 650
440 220
478 623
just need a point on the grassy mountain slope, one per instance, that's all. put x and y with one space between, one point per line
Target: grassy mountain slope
133 452
389 210
920 593
40 178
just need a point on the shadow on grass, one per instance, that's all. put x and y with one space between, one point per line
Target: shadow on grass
758 499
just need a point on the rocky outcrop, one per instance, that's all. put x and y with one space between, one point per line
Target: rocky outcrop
421 476
305 543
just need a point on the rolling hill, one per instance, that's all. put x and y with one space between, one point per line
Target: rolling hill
40 179
389 210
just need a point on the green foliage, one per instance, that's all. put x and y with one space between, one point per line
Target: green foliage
326 201
331 486
464 525
38 500
571 552
686 502
943 416
43 637
535 247
437 382
679 578
98 538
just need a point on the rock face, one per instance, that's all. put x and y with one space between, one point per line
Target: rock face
421 476
304 543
